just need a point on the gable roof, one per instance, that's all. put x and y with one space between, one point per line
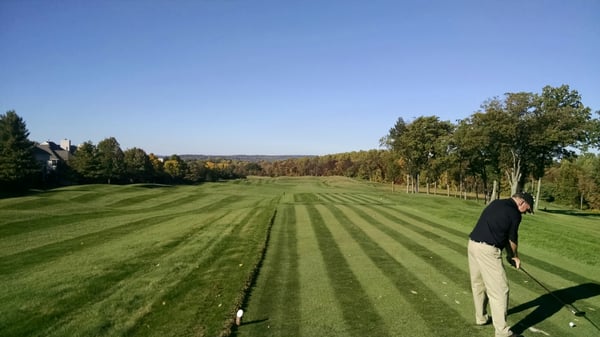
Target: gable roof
53 151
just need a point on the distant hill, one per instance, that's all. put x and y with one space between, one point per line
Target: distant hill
241 157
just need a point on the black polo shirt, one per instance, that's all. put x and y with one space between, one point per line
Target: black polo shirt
498 223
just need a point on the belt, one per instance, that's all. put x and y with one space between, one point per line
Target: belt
486 243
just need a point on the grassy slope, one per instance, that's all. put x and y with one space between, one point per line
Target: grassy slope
351 260
128 261
344 259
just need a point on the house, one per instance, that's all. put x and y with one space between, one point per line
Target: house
51 154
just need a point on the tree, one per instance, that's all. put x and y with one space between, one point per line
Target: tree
17 163
475 151
554 126
137 165
527 131
175 168
587 183
85 162
158 171
422 145
110 158
196 171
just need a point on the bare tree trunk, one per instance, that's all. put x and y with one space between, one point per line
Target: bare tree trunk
494 191
537 197
514 174
407 182
417 184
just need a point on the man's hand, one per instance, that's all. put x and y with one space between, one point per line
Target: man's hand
514 261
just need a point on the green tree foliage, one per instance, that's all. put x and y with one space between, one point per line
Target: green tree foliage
560 123
17 164
521 136
423 145
137 165
86 163
196 172
587 183
523 133
476 151
110 158
157 167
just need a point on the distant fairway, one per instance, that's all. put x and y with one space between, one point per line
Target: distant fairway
344 258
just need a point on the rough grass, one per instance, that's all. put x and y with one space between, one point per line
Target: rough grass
344 258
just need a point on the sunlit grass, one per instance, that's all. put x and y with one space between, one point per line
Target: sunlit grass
344 258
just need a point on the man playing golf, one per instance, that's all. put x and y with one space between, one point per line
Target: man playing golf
496 229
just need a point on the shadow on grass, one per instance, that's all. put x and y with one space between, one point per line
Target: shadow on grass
548 304
256 321
571 212
142 185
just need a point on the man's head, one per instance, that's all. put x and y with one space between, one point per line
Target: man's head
524 201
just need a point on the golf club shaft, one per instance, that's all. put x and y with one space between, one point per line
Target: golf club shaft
569 306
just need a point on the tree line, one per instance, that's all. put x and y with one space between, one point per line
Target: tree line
104 162
508 145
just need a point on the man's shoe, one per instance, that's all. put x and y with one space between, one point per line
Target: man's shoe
488 322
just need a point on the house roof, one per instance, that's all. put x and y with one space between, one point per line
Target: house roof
54 151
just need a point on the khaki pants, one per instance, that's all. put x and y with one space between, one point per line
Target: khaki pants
489 284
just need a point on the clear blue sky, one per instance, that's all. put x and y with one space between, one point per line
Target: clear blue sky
280 77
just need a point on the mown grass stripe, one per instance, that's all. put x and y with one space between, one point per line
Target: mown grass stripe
320 312
203 288
389 304
53 220
96 289
10 264
547 266
513 274
361 199
327 197
358 311
182 260
431 309
274 304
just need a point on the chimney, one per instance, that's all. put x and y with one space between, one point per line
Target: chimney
65 144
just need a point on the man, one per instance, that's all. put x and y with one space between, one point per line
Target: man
496 229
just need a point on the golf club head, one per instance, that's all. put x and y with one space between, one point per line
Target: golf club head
579 313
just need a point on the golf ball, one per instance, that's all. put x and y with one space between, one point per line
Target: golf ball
240 313
571 324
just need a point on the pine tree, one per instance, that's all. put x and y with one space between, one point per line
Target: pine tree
17 163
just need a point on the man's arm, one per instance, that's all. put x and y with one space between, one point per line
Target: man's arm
514 255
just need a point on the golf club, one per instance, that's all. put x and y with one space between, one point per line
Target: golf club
571 308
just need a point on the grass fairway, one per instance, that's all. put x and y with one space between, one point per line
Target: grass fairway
344 258
129 260
350 259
